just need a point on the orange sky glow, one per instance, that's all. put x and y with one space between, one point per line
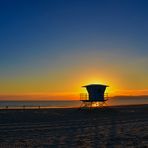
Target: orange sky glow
65 89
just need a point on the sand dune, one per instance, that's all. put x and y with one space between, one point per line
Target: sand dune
66 128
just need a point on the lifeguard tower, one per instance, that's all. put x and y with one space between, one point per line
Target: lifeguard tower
96 96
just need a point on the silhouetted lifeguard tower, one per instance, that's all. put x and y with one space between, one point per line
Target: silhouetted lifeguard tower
96 96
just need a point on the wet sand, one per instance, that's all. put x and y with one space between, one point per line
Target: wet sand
125 127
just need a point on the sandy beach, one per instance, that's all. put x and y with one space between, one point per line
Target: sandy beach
122 126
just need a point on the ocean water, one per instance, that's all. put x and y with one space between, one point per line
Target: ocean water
37 104
67 104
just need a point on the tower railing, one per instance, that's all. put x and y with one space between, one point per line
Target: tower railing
85 96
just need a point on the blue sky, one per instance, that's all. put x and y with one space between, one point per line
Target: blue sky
56 41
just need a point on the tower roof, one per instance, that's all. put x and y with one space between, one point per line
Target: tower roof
92 85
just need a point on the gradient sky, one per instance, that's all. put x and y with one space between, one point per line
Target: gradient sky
53 47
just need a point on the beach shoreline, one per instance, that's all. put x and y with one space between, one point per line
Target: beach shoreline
115 126
66 107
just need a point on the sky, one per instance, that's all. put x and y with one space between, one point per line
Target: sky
50 48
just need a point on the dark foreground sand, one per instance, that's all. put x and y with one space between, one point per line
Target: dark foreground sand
125 127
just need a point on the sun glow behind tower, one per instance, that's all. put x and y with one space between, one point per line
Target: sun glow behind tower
54 47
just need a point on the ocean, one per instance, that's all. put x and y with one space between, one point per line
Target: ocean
66 104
